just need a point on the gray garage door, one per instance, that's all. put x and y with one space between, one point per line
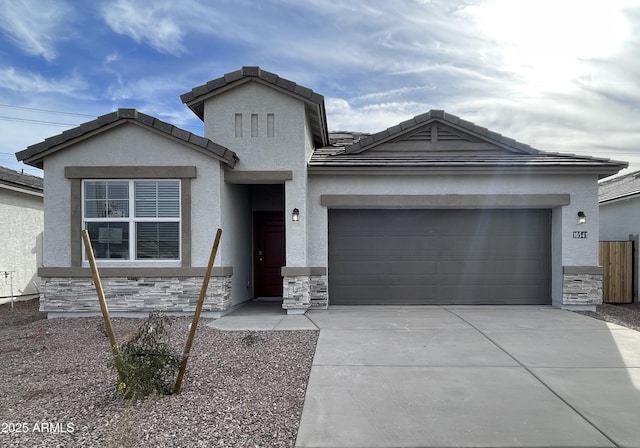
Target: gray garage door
439 257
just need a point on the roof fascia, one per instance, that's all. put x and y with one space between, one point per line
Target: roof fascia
24 190
626 197
466 170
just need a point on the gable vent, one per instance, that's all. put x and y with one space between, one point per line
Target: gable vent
445 134
423 134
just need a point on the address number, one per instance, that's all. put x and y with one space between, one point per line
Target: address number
580 234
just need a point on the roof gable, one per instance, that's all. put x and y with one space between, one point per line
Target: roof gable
314 102
440 132
35 154
438 141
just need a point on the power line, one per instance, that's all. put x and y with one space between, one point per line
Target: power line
57 112
27 120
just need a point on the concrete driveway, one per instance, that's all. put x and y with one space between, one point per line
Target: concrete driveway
466 376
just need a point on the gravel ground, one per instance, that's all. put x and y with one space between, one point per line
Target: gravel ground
625 315
57 390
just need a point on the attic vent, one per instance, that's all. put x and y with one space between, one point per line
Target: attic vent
445 134
421 135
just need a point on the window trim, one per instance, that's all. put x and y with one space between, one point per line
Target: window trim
76 174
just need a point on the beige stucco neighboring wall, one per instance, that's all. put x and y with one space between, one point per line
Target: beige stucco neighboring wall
22 221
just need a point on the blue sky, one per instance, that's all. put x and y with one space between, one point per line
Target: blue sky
560 75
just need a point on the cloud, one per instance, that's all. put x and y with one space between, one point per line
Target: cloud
24 81
36 26
148 22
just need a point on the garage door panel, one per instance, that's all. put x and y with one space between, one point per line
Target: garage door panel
439 256
412 267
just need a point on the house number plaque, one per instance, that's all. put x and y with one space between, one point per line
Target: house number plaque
580 234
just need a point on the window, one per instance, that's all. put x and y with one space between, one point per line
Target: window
133 220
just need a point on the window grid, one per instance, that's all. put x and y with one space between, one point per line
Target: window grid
123 226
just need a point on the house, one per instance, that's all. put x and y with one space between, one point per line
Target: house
434 210
619 200
22 223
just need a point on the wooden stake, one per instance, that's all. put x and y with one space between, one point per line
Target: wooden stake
103 303
196 316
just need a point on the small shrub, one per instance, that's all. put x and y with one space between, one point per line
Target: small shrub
251 338
145 364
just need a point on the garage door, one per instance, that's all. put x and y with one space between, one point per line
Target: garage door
439 257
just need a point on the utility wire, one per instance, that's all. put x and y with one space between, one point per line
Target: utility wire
27 120
57 112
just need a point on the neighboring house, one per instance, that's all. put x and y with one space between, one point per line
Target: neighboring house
435 210
21 224
619 200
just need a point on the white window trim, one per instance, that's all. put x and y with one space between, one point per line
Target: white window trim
132 262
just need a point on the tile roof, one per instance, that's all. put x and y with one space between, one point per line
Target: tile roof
314 102
513 155
34 154
16 179
619 187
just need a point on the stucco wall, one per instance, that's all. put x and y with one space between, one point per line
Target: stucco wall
285 151
619 219
130 145
22 223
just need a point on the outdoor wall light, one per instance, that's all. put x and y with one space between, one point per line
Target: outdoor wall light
582 218
295 216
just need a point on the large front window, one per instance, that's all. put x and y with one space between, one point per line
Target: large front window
133 219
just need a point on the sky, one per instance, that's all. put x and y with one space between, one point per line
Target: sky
559 75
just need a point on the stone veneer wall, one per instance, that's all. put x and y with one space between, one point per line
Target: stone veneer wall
318 291
173 294
303 288
582 285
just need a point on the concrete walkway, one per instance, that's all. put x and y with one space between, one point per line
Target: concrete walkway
262 316
470 377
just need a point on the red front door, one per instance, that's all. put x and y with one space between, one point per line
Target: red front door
268 253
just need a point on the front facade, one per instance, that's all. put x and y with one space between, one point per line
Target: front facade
22 224
435 210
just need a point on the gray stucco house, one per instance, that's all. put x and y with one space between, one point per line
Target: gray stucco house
435 210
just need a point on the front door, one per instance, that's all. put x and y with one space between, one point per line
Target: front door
268 253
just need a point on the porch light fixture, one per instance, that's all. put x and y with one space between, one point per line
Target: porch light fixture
295 216
582 218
